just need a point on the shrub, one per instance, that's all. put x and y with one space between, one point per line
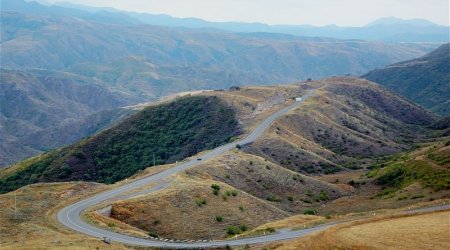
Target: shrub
290 198
153 234
241 208
219 218
296 177
234 193
310 212
228 193
233 230
270 230
111 224
243 227
215 188
323 196
200 202
306 201
238 146
274 198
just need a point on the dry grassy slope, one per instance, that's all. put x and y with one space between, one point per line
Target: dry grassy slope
424 231
286 189
36 226
401 180
174 212
348 122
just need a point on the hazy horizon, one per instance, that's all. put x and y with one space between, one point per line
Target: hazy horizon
342 13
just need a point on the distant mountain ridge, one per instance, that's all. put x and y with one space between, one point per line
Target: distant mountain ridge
125 62
34 106
424 80
386 29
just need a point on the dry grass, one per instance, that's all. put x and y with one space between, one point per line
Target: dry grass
36 226
288 190
176 212
423 231
332 130
292 222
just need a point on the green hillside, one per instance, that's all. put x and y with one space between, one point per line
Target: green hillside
429 166
170 132
425 80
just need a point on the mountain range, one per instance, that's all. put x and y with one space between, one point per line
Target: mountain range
386 29
68 65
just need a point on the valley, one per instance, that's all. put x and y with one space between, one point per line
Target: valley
255 188
144 126
123 64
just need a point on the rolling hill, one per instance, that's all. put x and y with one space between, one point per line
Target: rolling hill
368 121
425 80
337 148
347 124
156 135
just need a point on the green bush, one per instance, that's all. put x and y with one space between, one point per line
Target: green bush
233 230
153 234
200 202
274 198
310 212
243 227
219 218
323 196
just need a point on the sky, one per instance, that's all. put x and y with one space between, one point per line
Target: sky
296 12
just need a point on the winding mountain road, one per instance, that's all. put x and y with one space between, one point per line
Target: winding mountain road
70 215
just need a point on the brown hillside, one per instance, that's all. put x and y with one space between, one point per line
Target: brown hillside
346 124
188 209
281 187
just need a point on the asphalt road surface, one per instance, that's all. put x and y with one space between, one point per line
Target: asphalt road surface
70 215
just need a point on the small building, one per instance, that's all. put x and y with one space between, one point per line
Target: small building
297 99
